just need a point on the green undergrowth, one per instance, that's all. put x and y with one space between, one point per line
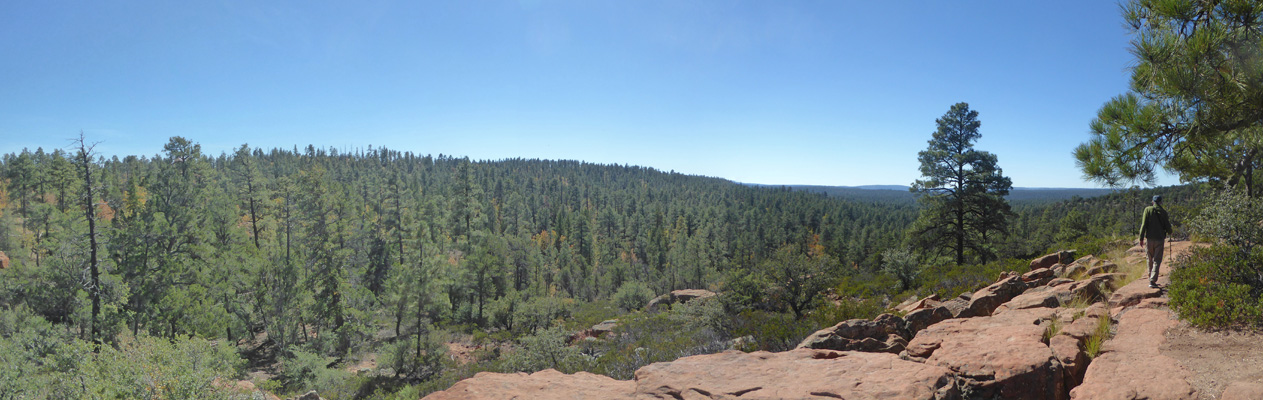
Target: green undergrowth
1219 287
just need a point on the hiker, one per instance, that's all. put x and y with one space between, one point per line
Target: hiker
1155 226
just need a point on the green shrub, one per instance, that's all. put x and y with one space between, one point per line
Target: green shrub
903 264
541 312
695 327
141 368
302 371
547 348
1219 287
948 280
632 296
402 359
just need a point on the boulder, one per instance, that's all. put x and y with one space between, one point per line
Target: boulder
1058 281
678 296
956 306
595 332
1047 261
1001 356
1103 268
795 374
1054 296
4 260
1059 270
605 326
930 301
920 319
1243 391
1072 270
1130 365
543 385
858 335
985 300
1042 274
1074 361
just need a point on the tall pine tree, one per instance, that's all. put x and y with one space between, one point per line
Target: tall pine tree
961 191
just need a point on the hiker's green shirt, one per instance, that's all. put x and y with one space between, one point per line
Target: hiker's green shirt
1154 224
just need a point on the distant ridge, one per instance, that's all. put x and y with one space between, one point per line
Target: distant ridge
901 193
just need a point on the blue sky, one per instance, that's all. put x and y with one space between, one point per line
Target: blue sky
771 92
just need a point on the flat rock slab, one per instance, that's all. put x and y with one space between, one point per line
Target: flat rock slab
548 384
1130 365
795 374
1132 294
998 356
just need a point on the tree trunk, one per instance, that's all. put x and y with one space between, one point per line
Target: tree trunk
90 213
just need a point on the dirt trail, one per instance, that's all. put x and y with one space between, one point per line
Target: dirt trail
1214 359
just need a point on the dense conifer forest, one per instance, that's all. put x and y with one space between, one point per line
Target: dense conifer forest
301 264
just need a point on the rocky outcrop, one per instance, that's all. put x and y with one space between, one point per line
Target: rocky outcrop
1012 339
1039 277
796 374
1047 261
543 385
987 299
1055 296
677 296
595 332
920 319
882 334
1000 356
930 301
1132 294
1130 365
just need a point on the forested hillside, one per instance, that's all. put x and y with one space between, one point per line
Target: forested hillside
315 258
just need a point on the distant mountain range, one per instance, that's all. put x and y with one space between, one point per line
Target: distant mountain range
900 193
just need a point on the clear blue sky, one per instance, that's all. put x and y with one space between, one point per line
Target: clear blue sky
772 92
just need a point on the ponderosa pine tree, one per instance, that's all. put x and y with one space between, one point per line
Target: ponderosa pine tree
961 191
1196 101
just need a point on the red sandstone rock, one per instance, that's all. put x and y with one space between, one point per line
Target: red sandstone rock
920 319
1039 277
930 301
1243 391
1045 261
985 300
1053 296
678 296
796 374
858 335
543 385
1103 268
4 260
997 356
1069 352
1132 294
1130 366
